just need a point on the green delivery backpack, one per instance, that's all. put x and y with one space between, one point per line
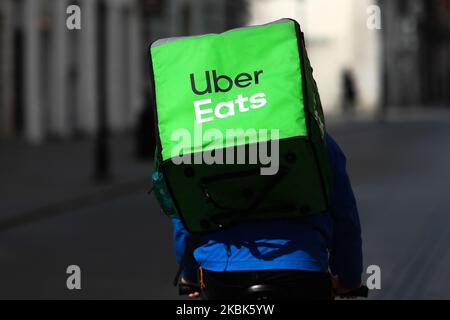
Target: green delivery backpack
224 105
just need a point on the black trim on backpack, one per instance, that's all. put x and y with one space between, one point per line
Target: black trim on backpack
155 109
302 44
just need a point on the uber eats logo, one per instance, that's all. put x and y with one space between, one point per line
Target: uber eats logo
207 110
210 106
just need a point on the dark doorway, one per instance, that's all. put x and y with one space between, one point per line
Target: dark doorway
186 18
19 71
416 53
434 33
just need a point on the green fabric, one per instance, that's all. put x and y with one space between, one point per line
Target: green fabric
267 54
159 187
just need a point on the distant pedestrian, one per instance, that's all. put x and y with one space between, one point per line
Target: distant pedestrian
145 131
350 93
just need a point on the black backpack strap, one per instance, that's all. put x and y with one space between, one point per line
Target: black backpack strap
191 243
268 188
257 199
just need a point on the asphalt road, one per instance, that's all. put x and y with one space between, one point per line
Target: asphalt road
123 244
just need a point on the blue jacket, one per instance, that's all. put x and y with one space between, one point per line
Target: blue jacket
330 241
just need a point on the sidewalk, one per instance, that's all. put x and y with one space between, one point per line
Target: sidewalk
393 115
58 176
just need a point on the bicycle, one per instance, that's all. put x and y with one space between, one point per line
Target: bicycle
260 292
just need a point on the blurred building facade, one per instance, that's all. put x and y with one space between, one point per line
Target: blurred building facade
49 74
416 54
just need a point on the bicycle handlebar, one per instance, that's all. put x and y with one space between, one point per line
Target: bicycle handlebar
187 289
361 292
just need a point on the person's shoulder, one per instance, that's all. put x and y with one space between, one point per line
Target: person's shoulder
331 143
334 150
